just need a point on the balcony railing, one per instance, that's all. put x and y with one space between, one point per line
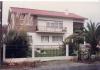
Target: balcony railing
47 46
51 29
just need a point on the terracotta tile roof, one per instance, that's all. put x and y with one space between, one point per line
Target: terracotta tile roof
47 13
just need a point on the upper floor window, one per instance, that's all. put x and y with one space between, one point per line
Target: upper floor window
54 24
30 21
44 38
22 16
26 19
60 25
57 38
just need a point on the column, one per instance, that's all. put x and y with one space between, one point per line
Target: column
67 50
33 51
4 52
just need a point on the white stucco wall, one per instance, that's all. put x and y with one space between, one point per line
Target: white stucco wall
66 23
36 37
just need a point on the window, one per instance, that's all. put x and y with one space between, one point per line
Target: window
22 16
60 25
30 39
57 38
30 21
54 24
44 38
48 24
26 19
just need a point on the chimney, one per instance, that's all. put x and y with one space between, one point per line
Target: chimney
66 12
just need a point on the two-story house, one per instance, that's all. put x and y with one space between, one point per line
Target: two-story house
46 29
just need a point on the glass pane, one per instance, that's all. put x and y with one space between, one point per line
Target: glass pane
60 25
44 38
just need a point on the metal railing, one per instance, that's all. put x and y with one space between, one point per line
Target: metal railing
48 46
51 29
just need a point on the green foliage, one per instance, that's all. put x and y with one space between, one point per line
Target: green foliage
17 44
92 35
63 48
74 40
72 49
48 52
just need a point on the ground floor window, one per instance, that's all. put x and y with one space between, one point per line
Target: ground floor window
44 38
30 39
57 38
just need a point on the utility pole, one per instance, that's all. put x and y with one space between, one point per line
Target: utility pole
1 35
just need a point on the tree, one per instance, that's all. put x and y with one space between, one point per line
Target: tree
76 39
17 44
92 35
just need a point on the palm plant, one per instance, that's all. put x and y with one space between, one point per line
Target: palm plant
92 35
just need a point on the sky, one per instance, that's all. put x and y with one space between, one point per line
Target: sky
90 10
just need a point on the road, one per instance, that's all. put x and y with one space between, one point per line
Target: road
71 67
75 66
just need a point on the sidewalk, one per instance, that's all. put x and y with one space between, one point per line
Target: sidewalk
61 65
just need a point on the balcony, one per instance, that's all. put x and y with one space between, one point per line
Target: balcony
44 29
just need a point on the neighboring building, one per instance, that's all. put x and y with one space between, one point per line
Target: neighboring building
46 29
0 21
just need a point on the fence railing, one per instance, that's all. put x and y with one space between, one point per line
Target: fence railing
43 55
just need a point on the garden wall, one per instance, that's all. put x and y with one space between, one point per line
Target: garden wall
39 59
67 57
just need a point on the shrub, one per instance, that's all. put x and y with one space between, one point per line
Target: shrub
17 44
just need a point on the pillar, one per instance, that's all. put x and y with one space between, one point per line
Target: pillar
4 52
33 51
67 50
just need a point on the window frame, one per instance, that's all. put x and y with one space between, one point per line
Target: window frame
57 37
44 40
22 16
54 24
30 39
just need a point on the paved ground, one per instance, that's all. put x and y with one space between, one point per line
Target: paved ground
74 66
62 66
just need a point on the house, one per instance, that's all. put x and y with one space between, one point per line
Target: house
46 29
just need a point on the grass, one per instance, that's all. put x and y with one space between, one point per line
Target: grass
49 53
